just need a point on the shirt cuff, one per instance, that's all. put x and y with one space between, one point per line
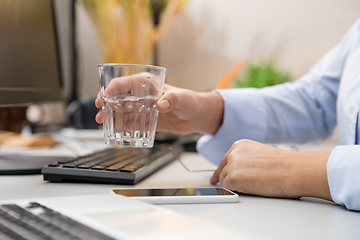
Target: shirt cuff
343 171
244 118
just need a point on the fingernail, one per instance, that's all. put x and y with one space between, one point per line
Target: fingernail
164 104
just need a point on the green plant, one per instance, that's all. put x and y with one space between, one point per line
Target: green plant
261 74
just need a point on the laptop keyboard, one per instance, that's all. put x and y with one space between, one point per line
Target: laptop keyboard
111 165
35 221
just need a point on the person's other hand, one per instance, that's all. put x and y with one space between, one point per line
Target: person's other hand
254 168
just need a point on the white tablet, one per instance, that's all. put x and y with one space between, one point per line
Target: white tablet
180 195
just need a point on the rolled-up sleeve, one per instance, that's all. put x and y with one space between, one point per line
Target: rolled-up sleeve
343 170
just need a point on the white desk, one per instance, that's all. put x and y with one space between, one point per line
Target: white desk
253 217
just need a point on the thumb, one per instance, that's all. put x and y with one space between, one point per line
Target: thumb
167 101
216 176
163 105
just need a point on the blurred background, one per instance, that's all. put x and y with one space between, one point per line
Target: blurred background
204 44
208 37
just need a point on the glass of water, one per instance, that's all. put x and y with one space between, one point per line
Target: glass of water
129 94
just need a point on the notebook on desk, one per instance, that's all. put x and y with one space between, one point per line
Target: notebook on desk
100 217
112 165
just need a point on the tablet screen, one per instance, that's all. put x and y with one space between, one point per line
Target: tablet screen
173 192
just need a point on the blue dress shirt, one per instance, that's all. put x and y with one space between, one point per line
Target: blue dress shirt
305 110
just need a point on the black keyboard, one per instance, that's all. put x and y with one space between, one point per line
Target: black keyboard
35 221
112 165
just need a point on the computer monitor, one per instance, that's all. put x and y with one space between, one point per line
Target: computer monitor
29 55
30 69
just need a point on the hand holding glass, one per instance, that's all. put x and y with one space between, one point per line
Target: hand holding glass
129 95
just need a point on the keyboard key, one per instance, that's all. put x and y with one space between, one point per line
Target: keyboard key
117 166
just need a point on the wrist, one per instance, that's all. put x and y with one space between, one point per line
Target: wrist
210 113
310 175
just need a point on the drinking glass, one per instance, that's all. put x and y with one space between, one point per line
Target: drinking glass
129 94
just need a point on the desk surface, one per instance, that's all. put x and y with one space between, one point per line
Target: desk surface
252 218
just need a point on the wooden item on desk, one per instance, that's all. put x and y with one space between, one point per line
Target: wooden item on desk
6 136
12 139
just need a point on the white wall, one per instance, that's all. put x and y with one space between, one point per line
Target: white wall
211 35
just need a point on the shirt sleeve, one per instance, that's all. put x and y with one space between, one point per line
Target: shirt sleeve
244 118
296 112
343 169
287 113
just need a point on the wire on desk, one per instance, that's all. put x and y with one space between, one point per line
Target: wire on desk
189 170
291 148
71 149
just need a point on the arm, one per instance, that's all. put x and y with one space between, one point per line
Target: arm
293 112
254 168
280 173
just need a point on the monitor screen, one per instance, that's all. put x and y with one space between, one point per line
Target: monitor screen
29 58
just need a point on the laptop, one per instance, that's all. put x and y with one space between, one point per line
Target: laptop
102 217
